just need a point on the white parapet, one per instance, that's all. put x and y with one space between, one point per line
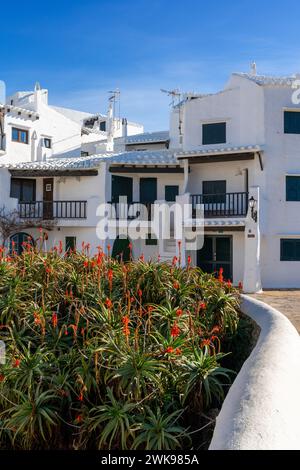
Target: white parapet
261 410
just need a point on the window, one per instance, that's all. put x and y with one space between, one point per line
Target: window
291 122
47 143
214 191
292 184
214 133
70 243
19 135
171 192
18 240
103 126
84 154
23 189
290 249
151 240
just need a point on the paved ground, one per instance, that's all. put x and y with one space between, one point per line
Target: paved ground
286 301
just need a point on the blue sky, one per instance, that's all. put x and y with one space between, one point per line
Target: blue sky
81 49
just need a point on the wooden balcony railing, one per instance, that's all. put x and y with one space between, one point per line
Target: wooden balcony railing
221 205
53 210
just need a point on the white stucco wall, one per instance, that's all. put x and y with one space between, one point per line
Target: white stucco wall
280 218
261 410
64 133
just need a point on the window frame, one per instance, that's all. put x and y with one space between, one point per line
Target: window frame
19 132
290 112
207 125
67 239
101 125
167 188
214 197
21 181
287 197
285 258
48 139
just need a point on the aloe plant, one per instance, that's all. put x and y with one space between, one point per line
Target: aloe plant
102 354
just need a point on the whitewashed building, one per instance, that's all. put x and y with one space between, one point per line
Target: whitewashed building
235 152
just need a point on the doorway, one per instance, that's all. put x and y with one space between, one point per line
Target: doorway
216 253
48 198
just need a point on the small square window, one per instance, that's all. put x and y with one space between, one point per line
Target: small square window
293 188
103 126
291 122
290 249
214 133
171 192
19 135
47 143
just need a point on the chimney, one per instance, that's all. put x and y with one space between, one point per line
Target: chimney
37 96
253 68
124 128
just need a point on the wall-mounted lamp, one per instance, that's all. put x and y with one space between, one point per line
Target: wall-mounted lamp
252 205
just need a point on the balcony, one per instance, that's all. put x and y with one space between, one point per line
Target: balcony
130 211
48 210
221 205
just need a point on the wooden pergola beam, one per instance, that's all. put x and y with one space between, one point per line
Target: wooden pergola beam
145 169
36 173
226 157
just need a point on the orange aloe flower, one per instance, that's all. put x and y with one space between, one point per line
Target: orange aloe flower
175 330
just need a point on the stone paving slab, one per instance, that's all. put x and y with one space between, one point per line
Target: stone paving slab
286 301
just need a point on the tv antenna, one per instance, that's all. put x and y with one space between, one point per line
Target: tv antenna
174 94
114 99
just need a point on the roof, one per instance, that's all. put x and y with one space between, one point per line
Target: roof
28 112
218 150
91 130
73 114
148 137
267 80
162 157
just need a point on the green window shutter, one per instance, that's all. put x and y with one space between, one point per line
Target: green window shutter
171 192
290 249
214 133
291 122
293 188
214 191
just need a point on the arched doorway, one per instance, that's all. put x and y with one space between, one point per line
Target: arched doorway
121 250
17 240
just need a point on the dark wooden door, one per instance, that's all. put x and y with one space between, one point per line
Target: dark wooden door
48 198
121 250
148 193
148 190
216 253
121 186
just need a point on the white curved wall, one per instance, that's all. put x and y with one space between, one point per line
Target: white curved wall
262 409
